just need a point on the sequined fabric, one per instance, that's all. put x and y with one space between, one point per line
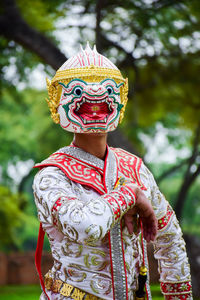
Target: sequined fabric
78 219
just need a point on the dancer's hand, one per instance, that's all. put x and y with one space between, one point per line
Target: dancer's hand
145 211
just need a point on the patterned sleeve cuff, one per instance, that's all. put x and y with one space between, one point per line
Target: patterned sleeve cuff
178 290
121 201
164 221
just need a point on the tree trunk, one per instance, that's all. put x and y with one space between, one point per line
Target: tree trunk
13 27
171 170
189 177
184 192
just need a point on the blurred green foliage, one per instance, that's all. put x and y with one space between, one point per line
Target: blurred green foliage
41 14
190 220
11 218
29 292
154 43
18 224
26 129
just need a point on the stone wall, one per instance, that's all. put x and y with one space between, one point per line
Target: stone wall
19 268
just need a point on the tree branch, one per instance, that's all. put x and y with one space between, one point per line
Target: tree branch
15 28
99 6
171 171
189 177
165 3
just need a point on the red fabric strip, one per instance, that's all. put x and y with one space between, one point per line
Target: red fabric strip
38 257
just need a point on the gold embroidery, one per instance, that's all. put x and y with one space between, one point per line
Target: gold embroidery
77 294
100 252
56 286
92 297
86 257
48 282
75 273
101 283
66 290
159 199
177 277
93 288
94 261
166 274
183 269
67 251
96 235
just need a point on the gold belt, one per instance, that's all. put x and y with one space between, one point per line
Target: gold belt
67 290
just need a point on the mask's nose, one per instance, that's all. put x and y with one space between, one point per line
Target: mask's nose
95 88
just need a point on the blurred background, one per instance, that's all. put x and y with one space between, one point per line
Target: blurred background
156 44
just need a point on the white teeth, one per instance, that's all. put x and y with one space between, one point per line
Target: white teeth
92 121
94 101
109 107
94 114
78 106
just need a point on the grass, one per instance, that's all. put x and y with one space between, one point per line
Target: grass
32 292
20 292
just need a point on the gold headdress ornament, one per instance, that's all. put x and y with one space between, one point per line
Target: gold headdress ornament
89 73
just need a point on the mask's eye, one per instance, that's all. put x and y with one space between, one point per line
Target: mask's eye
109 90
78 91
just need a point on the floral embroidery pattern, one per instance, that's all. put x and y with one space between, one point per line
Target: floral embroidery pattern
178 290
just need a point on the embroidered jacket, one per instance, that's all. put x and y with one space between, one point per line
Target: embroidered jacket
81 210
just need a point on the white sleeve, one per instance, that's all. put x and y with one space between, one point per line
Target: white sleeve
84 221
169 245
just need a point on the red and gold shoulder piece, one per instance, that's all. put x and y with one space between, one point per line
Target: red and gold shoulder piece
76 170
129 165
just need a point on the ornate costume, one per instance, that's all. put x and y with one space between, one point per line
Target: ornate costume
81 199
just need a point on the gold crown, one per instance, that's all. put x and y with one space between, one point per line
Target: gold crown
89 74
